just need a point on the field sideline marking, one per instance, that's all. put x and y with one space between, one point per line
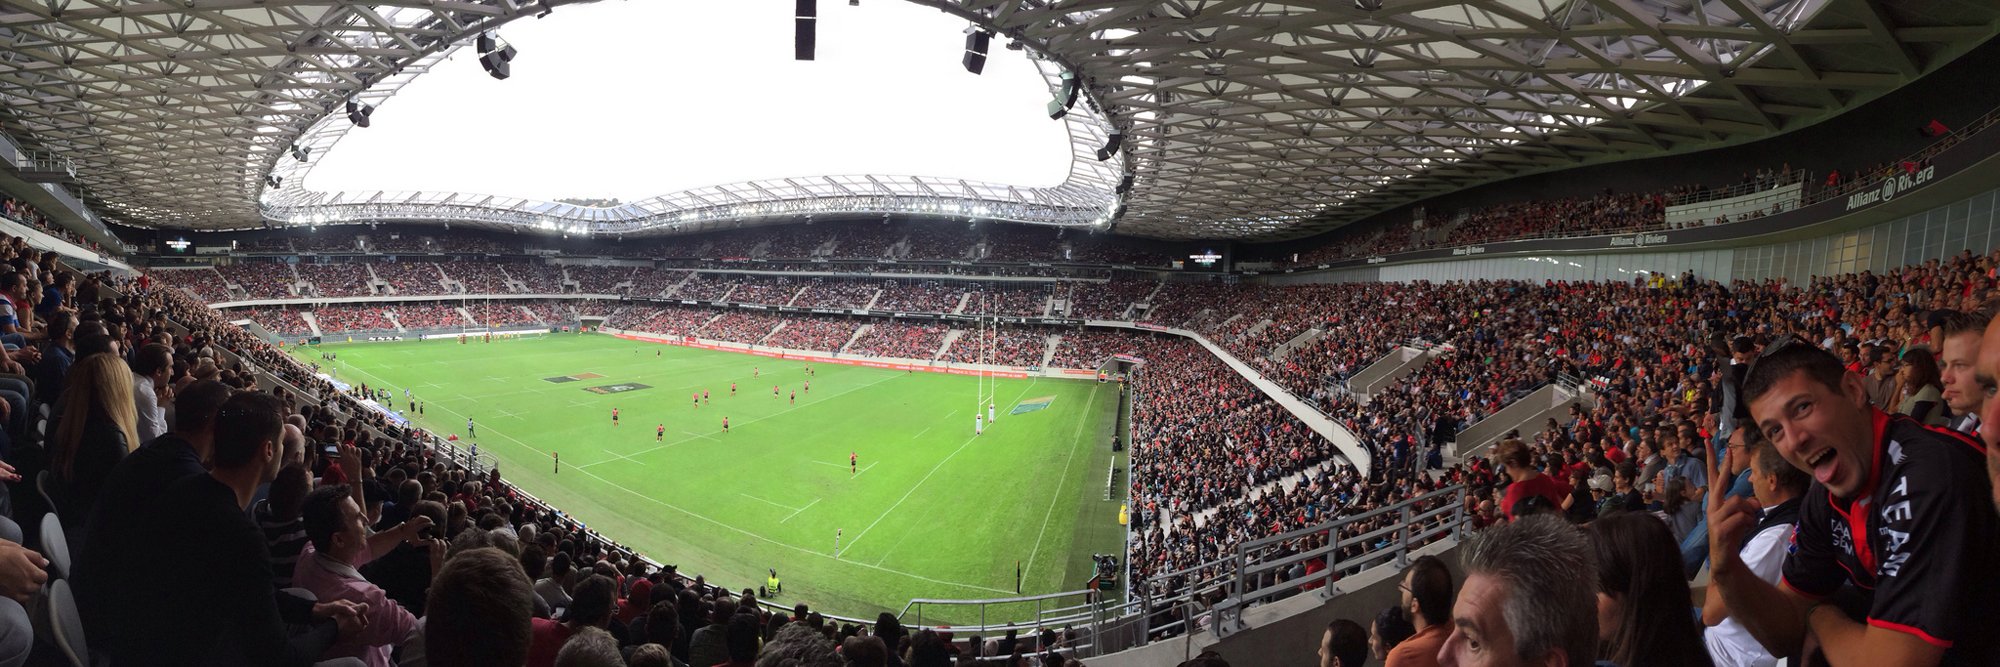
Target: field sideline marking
678 508
927 477
655 448
1075 438
802 509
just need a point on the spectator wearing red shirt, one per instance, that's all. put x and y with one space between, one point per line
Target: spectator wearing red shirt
1528 482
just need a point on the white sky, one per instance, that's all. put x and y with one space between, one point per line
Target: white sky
638 98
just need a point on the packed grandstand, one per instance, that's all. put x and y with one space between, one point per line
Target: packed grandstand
1686 411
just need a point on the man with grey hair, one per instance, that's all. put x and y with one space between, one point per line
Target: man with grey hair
1530 598
798 644
590 647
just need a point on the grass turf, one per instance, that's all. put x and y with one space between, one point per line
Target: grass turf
933 512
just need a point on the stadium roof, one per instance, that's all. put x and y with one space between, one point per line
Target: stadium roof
1241 119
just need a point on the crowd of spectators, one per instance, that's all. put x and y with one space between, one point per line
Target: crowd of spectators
468 244
947 242
1107 301
411 278
901 339
552 313
204 282
430 316
476 276
269 243
261 280
337 279
25 213
872 242
796 242
331 240
281 321
1022 346
651 282
1088 348
767 290
595 279
390 244
741 326
833 293
504 313
705 287
1008 243
1020 300
821 334
668 320
535 277
928 296
352 318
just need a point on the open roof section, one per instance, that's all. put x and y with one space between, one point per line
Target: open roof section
1246 119
632 100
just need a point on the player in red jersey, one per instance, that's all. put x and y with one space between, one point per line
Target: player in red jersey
614 416
853 463
704 395
809 386
697 400
660 433
732 389
795 398
725 424
774 391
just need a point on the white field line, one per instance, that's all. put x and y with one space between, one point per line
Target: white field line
1075 439
920 482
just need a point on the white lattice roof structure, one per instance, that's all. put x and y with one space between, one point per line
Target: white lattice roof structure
1249 120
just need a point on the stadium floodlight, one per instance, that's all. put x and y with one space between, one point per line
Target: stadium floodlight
300 153
1124 185
1065 98
274 181
1110 146
358 113
976 41
804 29
495 54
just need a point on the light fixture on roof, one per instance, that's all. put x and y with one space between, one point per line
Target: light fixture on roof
274 181
300 153
495 54
976 41
358 113
1110 148
1065 97
804 29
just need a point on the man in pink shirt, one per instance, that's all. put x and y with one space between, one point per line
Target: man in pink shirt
339 543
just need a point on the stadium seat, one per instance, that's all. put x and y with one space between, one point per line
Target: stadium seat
66 625
42 488
55 546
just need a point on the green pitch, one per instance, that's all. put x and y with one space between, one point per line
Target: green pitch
931 511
